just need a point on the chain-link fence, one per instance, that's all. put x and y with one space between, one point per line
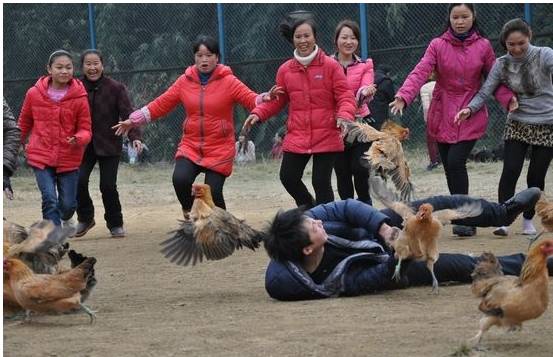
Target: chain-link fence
147 46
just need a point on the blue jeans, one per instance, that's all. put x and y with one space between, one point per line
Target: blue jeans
61 204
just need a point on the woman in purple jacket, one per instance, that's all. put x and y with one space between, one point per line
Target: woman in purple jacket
360 76
461 56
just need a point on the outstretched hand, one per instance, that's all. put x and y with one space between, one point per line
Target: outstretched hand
397 106
273 93
123 127
250 121
463 115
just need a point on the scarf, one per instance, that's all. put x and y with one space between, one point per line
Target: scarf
307 59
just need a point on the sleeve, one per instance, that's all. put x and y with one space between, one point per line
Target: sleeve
12 135
84 123
352 212
363 278
25 121
343 95
166 102
243 95
502 94
266 110
487 89
419 75
547 60
125 109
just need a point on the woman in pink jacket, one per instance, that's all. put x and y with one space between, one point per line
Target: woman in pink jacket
56 118
461 56
317 93
360 76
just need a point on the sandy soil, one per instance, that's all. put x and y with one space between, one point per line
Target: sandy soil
147 306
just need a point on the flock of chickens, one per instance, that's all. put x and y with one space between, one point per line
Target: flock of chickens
34 280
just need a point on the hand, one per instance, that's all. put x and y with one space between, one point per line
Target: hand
343 125
71 140
513 104
273 93
463 115
137 145
8 192
369 90
397 106
123 127
250 121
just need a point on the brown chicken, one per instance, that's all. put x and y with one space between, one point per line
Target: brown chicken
508 300
421 230
544 210
210 232
46 293
385 156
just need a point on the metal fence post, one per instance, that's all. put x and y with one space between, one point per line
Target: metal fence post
528 13
221 27
364 34
91 27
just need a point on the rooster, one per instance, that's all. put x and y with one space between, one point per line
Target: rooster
421 229
210 232
385 156
508 300
47 293
544 210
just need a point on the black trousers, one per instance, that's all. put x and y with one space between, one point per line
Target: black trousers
291 172
109 166
493 214
454 158
515 151
348 164
185 173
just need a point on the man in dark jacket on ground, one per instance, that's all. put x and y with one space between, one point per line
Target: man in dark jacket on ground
343 248
12 139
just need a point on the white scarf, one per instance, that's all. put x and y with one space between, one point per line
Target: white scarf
307 59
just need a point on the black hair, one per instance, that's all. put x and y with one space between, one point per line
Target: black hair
472 9
351 25
384 68
58 53
209 42
295 19
511 26
286 236
91 51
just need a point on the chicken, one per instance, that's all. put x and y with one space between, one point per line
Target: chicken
47 293
509 301
210 232
544 210
421 230
385 156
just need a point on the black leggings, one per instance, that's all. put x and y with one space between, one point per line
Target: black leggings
454 158
348 164
183 177
291 172
515 151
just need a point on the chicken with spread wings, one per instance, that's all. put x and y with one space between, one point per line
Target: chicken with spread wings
210 232
508 301
385 156
421 229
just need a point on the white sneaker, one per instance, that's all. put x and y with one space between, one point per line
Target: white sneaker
528 228
501 231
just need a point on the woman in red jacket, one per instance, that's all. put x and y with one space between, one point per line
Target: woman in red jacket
208 92
360 76
317 93
55 114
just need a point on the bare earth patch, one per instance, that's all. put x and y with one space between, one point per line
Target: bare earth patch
150 307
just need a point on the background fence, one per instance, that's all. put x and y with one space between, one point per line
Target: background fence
147 46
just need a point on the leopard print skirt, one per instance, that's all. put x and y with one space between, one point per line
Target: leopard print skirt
541 134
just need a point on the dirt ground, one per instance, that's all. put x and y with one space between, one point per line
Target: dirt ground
147 306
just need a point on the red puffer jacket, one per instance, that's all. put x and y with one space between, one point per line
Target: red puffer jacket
317 95
51 123
208 128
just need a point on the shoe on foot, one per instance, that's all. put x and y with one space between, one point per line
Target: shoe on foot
432 166
84 227
464 231
522 201
69 224
117 232
501 231
528 228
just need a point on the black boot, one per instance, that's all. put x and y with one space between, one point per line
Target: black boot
522 201
464 231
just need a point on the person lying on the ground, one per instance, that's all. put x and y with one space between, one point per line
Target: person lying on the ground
343 248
